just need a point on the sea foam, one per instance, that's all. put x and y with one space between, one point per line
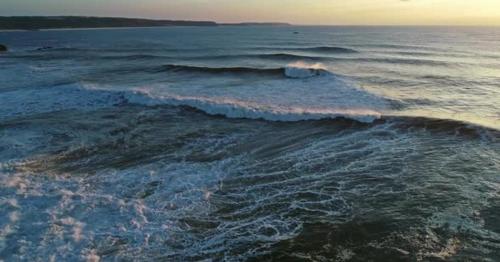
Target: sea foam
232 108
355 105
306 92
303 70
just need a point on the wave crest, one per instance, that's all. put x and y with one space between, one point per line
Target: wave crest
88 98
328 49
304 70
233 108
221 70
295 70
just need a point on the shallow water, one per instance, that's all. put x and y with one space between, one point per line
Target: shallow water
250 143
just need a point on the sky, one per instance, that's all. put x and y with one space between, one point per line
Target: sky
319 12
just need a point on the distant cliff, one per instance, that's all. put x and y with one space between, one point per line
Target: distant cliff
54 22
59 22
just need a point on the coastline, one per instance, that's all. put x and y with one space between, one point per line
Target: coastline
36 23
125 27
90 28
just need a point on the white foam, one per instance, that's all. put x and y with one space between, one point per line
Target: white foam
233 108
303 70
310 98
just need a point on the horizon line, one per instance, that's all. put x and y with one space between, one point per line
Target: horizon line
264 22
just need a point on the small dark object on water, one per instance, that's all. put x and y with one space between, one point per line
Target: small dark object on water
3 48
296 33
44 48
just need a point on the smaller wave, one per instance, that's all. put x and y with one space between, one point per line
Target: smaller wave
318 49
404 47
295 70
269 56
286 56
400 61
133 57
303 70
221 70
327 49
57 49
408 61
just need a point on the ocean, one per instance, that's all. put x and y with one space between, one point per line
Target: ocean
250 143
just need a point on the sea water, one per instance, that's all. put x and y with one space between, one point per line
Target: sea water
250 143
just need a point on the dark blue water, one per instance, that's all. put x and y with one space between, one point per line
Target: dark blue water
251 143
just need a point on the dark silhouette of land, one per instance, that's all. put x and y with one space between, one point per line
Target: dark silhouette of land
62 22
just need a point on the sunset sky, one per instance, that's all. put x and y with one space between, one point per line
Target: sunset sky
327 12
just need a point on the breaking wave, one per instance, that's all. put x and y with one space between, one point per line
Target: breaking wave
233 108
88 98
296 70
85 97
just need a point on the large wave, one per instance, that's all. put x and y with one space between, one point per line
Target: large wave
88 98
233 108
353 104
296 92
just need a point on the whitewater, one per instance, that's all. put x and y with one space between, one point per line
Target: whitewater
254 143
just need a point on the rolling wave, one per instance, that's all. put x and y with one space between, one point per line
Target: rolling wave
282 56
59 49
319 49
87 98
234 108
327 49
286 56
77 97
267 56
291 71
313 49
406 61
221 70
133 57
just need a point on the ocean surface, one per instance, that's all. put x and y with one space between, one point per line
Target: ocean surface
250 144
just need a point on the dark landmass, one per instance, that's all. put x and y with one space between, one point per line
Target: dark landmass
64 22
56 22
